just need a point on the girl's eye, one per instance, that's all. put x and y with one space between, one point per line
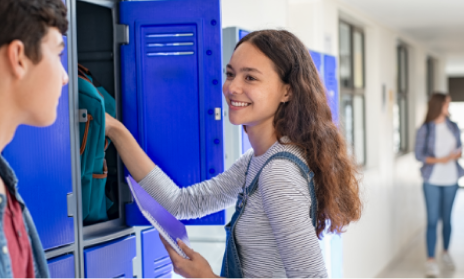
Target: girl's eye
250 78
229 74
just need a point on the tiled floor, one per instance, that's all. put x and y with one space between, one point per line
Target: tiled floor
411 264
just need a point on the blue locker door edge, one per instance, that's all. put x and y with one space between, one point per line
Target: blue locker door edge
317 60
41 158
178 128
331 85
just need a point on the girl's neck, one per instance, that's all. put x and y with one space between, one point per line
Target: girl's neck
440 119
261 136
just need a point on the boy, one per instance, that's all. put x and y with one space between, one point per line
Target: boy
31 79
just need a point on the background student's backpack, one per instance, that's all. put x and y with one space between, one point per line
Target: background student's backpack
94 101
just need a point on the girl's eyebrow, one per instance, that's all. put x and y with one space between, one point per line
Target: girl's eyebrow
245 69
248 69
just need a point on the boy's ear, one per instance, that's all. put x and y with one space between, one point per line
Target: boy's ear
17 59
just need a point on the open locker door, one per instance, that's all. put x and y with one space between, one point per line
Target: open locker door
171 90
41 159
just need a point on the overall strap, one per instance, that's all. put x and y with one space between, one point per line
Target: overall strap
304 171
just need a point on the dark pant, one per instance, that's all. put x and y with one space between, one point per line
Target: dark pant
439 202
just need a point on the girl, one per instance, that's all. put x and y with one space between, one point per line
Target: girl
297 177
438 146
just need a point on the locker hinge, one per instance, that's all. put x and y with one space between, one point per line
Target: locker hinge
122 34
71 204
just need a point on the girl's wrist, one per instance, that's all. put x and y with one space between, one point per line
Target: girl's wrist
115 129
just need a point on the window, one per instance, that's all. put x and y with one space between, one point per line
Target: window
400 109
430 76
352 84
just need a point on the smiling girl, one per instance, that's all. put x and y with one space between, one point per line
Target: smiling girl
297 179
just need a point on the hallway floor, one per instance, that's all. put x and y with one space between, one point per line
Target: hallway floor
411 264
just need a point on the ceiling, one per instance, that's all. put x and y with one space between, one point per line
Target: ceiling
439 24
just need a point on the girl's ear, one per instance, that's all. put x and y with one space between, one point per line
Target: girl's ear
288 94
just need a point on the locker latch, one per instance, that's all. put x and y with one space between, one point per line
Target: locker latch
217 113
71 204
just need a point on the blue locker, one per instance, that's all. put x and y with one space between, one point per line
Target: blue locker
62 267
331 84
155 259
110 260
317 59
41 158
171 90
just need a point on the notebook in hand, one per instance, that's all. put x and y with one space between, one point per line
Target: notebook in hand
166 224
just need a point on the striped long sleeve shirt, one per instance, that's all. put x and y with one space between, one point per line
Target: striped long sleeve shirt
275 236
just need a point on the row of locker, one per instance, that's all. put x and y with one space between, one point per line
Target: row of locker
115 259
136 50
188 94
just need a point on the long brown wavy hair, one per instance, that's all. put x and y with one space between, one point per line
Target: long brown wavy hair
436 103
306 120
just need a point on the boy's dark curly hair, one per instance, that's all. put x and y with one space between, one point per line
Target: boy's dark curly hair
28 21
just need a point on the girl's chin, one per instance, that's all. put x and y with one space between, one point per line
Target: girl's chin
235 121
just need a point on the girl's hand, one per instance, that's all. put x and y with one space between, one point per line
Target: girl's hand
196 267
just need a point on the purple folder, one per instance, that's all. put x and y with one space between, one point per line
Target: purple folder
166 224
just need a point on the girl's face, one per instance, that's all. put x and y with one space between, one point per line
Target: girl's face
445 109
253 88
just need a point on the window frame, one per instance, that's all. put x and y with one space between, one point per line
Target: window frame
351 90
403 95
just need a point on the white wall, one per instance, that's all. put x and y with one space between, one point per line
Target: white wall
254 14
455 65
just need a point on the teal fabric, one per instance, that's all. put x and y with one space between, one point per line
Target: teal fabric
94 201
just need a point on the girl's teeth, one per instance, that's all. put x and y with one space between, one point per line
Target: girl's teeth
239 104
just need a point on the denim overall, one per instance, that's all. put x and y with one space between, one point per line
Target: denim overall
231 266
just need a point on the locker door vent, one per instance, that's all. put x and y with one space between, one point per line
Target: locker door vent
163 267
169 44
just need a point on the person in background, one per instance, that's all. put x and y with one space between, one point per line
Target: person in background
438 147
31 79
297 176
